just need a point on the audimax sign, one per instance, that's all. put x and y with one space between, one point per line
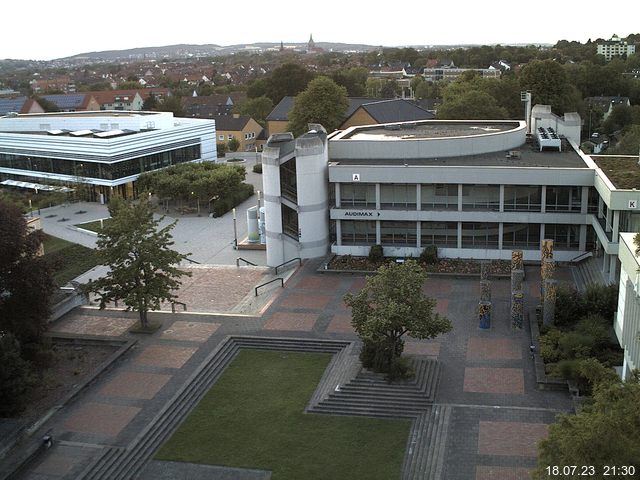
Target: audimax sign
361 213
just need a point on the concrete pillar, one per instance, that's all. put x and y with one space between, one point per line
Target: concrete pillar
584 201
459 197
338 232
378 233
543 199
609 221
272 204
378 197
459 234
605 264
517 277
500 234
616 225
418 197
517 262
583 238
600 206
613 268
484 315
419 234
541 234
501 200
338 197
484 271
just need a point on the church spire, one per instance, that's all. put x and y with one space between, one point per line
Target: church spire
311 45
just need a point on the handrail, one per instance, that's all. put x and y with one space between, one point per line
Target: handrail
580 257
289 261
192 261
173 306
267 283
245 261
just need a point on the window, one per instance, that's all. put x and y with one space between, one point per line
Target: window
288 180
230 137
290 222
565 237
520 235
398 233
522 198
358 232
357 195
439 196
398 196
442 234
221 138
563 199
481 197
480 235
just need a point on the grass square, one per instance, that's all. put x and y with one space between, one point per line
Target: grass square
253 418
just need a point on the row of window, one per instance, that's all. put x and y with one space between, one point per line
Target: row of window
247 136
473 235
474 197
107 171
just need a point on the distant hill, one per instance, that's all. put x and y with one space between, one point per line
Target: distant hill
186 50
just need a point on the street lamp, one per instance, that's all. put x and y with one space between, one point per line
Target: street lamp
235 231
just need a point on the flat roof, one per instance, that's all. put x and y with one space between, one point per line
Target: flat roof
624 172
429 129
529 156
90 113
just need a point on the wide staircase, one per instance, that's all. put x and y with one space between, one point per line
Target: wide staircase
587 273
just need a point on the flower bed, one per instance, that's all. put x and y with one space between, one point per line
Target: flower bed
444 265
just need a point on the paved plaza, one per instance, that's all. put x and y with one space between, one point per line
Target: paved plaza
487 377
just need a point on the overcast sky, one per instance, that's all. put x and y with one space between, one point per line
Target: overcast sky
45 30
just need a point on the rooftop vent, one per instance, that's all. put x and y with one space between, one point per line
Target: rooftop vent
548 138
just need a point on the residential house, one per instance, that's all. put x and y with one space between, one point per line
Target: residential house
207 106
387 111
607 104
73 102
241 127
62 84
128 100
19 105
614 47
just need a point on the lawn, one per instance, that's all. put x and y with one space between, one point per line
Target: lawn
93 226
253 418
73 259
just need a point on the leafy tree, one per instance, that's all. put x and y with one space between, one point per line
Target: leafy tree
322 102
629 143
604 433
549 85
471 105
257 108
150 103
233 144
390 305
286 80
47 105
129 84
389 89
26 282
353 79
16 376
171 104
221 149
142 267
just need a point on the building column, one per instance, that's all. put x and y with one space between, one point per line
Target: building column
608 222
543 199
378 197
418 231
501 200
582 242
612 268
338 232
459 197
541 235
500 233
378 233
605 264
584 201
459 234
600 205
616 225
418 197
338 198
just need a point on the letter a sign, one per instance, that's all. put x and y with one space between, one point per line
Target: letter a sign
356 177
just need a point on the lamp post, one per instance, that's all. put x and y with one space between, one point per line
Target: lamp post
235 231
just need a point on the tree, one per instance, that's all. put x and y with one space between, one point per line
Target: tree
390 305
233 144
471 105
629 143
221 149
549 85
257 108
47 105
353 79
16 376
150 103
322 102
603 434
26 281
286 80
142 267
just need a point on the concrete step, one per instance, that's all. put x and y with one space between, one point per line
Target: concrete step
392 402
365 411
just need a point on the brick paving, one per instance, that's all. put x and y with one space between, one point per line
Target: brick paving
135 385
190 331
510 438
494 380
165 356
502 473
101 419
94 325
480 370
299 322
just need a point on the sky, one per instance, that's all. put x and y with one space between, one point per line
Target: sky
45 30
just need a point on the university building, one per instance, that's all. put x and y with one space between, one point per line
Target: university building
105 150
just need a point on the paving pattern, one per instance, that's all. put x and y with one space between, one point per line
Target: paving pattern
492 410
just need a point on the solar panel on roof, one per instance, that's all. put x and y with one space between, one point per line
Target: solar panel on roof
81 133
110 134
65 101
11 105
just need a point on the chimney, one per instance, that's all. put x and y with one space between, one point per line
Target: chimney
236 115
